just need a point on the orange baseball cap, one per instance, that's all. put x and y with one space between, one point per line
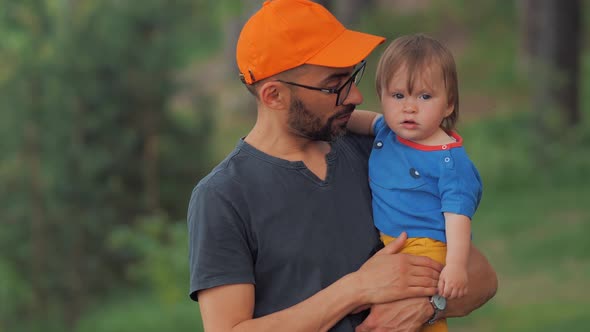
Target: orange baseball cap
285 34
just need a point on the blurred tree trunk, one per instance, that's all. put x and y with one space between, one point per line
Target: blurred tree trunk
152 103
347 11
75 290
32 157
232 22
326 3
151 156
33 86
551 32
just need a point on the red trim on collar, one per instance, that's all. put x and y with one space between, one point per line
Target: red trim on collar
421 147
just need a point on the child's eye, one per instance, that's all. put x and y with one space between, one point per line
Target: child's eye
397 96
425 96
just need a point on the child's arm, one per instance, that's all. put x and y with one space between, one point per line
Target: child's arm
453 279
362 122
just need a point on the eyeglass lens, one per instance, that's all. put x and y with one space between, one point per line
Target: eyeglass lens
345 90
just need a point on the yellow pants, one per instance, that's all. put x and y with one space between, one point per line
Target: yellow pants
430 248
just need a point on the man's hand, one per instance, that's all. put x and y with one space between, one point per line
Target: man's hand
453 281
402 315
411 314
389 276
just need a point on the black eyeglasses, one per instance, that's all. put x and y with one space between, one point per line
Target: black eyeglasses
341 92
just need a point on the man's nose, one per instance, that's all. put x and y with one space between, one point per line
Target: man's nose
355 97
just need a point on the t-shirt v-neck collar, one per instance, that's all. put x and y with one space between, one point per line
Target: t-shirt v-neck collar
295 165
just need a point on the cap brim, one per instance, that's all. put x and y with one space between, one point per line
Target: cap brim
350 48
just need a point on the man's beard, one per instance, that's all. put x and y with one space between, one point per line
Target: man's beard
304 123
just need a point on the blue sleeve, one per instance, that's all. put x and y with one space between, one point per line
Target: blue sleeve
459 184
218 245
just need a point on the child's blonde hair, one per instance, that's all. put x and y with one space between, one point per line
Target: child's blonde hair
417 52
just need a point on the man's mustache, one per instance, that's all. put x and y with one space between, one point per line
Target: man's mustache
347 110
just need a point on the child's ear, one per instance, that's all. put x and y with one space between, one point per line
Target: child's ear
274 95
450 109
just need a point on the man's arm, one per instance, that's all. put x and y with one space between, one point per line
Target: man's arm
362 122
411 314
231 308
386 277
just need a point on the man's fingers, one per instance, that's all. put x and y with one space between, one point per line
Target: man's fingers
420 291
426 262
423 276
395 246
422 282
420 271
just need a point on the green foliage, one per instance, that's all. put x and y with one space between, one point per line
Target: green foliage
97 163
89 86
160 268
14 292
160 248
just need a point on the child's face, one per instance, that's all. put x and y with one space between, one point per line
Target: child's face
416 115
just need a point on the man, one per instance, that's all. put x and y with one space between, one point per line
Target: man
281 233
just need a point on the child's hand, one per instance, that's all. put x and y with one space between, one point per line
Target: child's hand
453 281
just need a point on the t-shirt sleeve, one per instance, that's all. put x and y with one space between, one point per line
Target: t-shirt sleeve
460 185
219 253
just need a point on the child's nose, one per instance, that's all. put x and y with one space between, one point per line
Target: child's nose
409 107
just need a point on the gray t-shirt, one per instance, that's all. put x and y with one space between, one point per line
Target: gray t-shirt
272 223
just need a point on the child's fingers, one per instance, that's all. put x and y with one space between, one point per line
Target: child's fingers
441 286
463 292
450 291
454 293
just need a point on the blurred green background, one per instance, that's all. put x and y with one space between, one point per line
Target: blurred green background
112 110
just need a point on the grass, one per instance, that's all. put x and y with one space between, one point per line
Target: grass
537 242
142 312
533 225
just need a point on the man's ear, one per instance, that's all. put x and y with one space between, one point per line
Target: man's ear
274 95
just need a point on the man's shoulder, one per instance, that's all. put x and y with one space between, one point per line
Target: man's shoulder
356 142
227 173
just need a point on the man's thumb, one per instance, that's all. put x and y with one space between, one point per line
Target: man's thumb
394 246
